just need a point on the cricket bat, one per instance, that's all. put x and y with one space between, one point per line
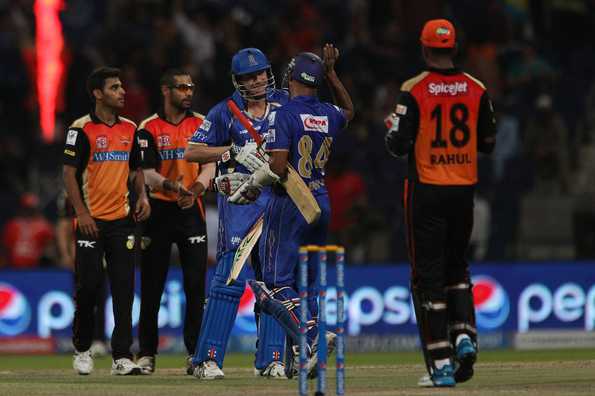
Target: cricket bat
244 250
295 186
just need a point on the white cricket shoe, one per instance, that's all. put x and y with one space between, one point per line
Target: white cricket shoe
125 366
274 370
146 364
82 362
425 381
208 370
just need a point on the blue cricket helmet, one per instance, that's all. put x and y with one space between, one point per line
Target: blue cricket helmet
306 68
247 61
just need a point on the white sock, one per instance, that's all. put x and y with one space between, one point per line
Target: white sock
461 337
441 363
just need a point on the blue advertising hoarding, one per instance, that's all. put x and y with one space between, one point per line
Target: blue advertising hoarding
517 297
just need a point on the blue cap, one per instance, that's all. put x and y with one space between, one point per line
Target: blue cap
249 60
308 69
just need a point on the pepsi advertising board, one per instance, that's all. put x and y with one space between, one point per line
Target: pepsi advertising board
508 297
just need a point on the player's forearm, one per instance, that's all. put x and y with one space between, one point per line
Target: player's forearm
153 179
207 173
72 189
278 162
340 95
204 154
139 183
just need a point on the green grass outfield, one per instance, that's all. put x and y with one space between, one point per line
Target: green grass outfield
556 372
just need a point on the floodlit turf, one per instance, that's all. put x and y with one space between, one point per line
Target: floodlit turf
558 372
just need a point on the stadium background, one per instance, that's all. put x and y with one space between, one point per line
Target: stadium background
535 213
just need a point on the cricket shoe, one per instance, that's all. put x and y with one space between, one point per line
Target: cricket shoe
466 355
292 360
275 370
208 370
189 366
125 366
443 377
82 362
331 342
146 364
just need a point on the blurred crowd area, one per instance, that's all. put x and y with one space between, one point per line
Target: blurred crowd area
536 197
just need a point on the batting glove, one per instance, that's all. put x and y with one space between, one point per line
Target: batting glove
229 183
251 157
250 190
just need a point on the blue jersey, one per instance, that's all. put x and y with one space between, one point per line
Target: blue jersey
221 128
306 127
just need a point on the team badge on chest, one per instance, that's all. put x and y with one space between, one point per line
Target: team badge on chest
101 142
163 140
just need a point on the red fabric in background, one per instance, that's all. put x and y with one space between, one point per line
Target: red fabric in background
344 190
25 240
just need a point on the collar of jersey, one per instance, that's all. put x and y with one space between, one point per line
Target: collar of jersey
96 119
306 98
161 115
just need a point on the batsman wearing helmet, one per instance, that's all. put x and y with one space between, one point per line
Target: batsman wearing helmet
221 138
301 133
442 119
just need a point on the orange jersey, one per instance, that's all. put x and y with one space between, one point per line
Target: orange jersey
167 143
444 110
103 155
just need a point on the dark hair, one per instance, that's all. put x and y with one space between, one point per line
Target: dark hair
167 78
439 52
97 79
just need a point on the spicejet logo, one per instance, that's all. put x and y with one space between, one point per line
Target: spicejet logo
315 123
452 89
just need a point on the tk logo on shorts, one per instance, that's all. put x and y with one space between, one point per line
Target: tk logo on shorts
197 239
86 244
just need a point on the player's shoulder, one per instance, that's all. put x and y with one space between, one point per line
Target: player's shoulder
220 108
278 97
475 80
144 124
80 123
127 122
408 85
198 115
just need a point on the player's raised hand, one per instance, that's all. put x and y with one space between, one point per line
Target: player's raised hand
330 54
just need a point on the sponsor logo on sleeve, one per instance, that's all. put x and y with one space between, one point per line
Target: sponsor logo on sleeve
270 136
314 123
401 109
205 126
71 137
272 117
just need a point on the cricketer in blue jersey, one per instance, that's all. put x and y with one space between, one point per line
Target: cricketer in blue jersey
222 139
301 133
